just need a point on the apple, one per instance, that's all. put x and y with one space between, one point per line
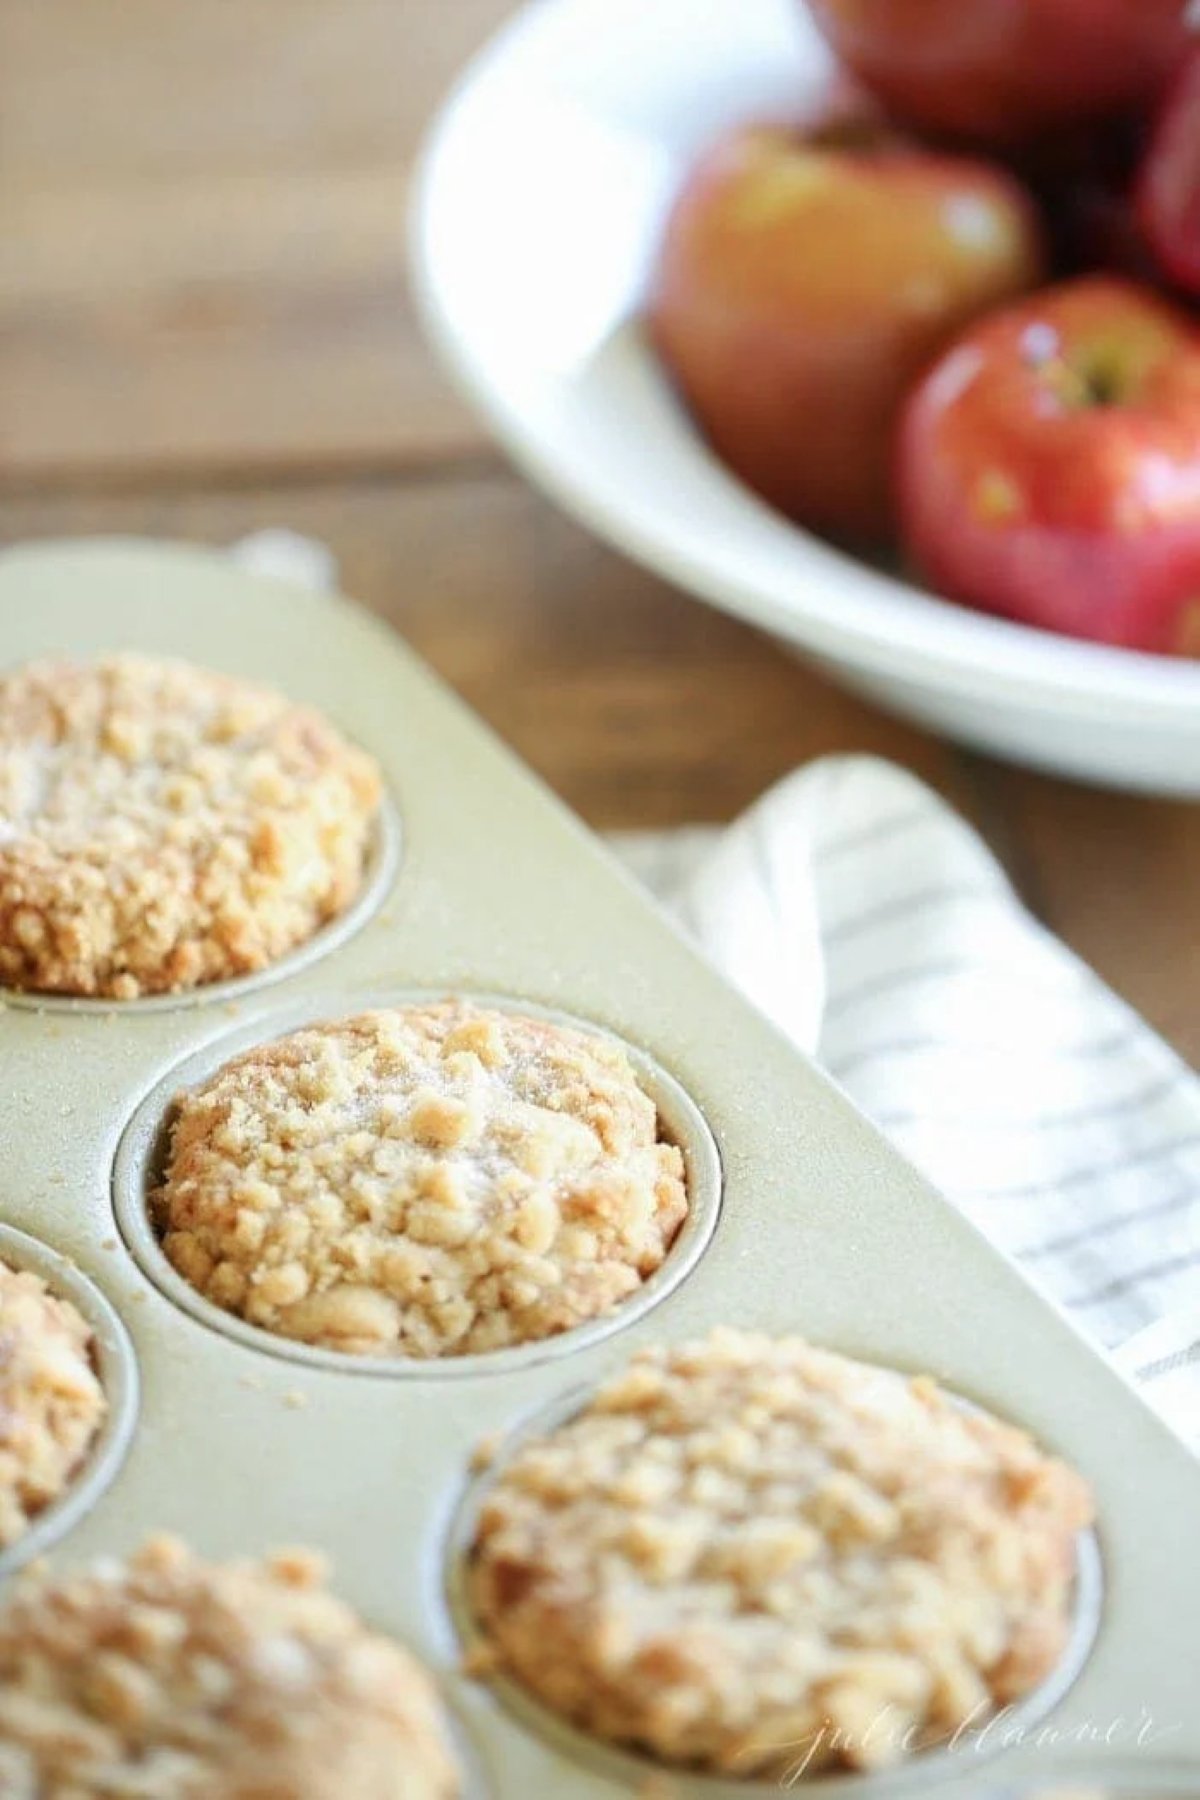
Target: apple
805 278
1169 183
997 71
1048 467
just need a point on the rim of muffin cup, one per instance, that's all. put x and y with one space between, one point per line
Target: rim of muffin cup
381 866
634 1768
116 1366
142 1148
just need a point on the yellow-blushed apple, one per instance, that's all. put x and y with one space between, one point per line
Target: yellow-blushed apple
805 278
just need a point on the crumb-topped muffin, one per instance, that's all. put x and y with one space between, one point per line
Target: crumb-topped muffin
51 1402
168 1678
162 826
424 1181
753 1556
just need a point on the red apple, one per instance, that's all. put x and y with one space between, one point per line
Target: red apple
1169 184
996 71
804 280
1048 467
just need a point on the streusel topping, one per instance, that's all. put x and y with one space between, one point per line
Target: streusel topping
423 1181
167 1678
162 826
51 1401
749 1555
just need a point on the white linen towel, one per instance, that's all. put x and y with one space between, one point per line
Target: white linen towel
870 922
875 928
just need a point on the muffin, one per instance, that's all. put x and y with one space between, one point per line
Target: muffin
751 1556
423 1181
162 826
167 1678
51 1402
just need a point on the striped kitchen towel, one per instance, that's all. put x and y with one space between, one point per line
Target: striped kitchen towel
871 923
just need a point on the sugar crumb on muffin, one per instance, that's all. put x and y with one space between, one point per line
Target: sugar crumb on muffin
52 1403
425 1181
163 826
169 1678
752 1556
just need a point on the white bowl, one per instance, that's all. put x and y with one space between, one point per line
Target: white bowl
537 207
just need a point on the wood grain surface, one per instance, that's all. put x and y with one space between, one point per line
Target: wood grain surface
204 329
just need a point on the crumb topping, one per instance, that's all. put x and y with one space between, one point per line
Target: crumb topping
51 1401
753 1556
425 1181
167 1678
162 826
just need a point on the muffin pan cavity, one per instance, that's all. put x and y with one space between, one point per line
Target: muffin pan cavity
380 871
142 1151
116 1367
635 1769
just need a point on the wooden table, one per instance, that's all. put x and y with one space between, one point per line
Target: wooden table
204 329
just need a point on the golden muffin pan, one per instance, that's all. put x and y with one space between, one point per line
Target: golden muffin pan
803 1219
